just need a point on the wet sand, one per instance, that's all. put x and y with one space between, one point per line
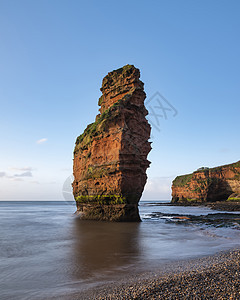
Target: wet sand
212 277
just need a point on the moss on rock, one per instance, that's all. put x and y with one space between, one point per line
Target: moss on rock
182 180
96 128
234 199
102 199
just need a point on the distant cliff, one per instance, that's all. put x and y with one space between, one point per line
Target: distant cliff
208 185
110 157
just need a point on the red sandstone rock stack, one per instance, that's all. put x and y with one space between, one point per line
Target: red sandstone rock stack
110 157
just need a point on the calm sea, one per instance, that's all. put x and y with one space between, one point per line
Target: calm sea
46 251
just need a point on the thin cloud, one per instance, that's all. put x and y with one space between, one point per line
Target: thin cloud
24 174
21 169
15 178
41 141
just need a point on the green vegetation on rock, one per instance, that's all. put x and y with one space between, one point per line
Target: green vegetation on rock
182 180
98 127
124 69
235 199
102 199
100 100
237 177
96 172
184 200
191 200
231 166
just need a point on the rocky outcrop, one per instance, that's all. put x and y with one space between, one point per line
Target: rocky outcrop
208 185
110 157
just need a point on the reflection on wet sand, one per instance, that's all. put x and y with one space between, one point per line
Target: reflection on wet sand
103 246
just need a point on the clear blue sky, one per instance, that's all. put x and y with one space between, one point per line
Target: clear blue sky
53 57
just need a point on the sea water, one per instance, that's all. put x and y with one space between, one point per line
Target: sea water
46 251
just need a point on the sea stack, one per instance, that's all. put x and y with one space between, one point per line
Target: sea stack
208 185
110 157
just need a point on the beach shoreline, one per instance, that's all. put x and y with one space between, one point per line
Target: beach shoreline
218 205
209 277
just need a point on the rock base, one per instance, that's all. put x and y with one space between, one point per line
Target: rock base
104 212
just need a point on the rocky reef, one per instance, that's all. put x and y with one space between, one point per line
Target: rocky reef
110 157
208 185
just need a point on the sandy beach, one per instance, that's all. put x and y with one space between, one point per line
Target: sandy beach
212 277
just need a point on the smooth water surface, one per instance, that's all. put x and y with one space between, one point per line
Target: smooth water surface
47 251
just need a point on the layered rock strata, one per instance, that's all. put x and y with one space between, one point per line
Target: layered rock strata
208 185
110 157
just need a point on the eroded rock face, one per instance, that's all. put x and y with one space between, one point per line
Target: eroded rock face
208 185
110 157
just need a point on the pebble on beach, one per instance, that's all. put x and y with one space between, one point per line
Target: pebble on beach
214 277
